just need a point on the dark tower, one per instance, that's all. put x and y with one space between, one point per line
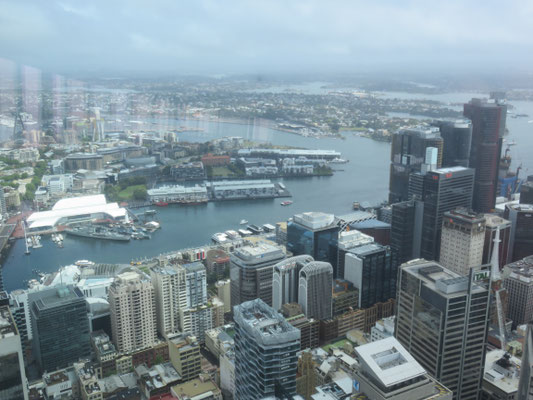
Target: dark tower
488 127
457 136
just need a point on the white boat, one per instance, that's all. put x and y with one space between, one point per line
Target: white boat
243 222
338 161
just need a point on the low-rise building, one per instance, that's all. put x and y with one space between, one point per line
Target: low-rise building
201 388
157 380
184 352
384 328
501 377
220 340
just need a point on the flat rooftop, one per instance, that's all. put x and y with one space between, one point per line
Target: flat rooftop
388 362
7 324
501 371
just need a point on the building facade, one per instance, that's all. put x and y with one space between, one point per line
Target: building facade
519 285
494 222
315 289
521 217
457 136
285 280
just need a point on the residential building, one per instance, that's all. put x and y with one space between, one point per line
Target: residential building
372 269
519 284
408 153
188 171
494 222
315 234
285 280
266 347
444 189
521 217
315 289
13 384
488 128
457 136
184 353
227 374
133 312
224 293
246 189
386 371
462 240
60 309
442 321
251 272
501 377
170 296
220 340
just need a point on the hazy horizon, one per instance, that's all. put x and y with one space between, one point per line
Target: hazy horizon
239 37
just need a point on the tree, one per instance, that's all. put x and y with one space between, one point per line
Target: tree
140 193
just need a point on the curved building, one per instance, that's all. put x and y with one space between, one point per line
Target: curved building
315 289
285 280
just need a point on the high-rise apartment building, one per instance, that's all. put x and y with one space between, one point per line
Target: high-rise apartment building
60 327
285 280
519 285
315 289
170 296
408 153
444 189
457 136
13 385
488 128
521 217
133 312
251 272
373 270
462 240
314 234
442 321
224 293
266 348
494 222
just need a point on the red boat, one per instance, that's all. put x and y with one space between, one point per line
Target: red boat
161 204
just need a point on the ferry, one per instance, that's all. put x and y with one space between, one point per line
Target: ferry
255 229
245 232
286 203
339 161
269 228
232 234
243 222
219 238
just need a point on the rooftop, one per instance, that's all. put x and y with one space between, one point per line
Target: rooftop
55 297
259 252
521 270
388 362
315 220
7 324
502 371
195 387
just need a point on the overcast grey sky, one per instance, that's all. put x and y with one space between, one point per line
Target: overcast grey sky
236 36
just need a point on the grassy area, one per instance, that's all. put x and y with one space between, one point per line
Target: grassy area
338 344
127 194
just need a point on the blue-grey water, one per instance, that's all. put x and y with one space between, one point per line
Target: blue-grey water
364 179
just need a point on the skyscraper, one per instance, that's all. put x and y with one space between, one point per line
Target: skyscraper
60 327
285 280
373 270
266 349
408 153
519 285
521 217
492 223
315 234
442 321
251 272
13 385
444 190
348 240
526 191
133 312
462 240
457 136
315 289
488 128
170 297
406 229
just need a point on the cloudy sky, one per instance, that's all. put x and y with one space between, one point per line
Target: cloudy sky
238 36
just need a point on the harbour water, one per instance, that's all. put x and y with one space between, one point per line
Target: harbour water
364 179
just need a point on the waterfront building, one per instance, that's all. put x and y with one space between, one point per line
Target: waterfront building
501 376
3 205
266 348
457 136
347 240
184 354
406 229
519 284
521 217
13 384
525 385
92 162
526 191
285 280
178 194
386 371
76 209
133 312
315 234
488 128
493 223
462 240
234 190
251 272
289 153
315 289
60 327
188 172
372 269
408 153
442 321
444 189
